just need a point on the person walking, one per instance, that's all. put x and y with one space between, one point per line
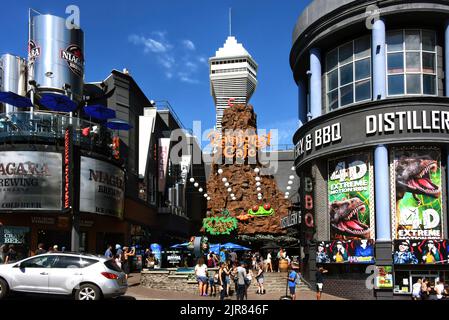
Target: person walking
222 278
11 256
126 257
40 249
260 279
201 276
425 290
439 289
319 282
228 278
269 263
248 280
108 253
241 277
292 279
416 290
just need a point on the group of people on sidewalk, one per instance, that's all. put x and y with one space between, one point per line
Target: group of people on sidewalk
9 254
423 289
121 256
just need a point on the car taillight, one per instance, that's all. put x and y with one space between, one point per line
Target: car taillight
109 275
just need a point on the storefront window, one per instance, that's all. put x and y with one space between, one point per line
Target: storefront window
348 73
411 62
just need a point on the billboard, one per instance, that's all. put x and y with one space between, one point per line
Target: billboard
351 251
30 180
416 193
164 149
421 251
350 197
102 187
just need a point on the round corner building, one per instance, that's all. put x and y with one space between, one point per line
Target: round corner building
372 146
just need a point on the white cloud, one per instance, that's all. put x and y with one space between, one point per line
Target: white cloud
188 44
175 66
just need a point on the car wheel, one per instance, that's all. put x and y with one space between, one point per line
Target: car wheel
3 289
88 292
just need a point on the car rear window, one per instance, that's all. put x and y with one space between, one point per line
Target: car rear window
110 264
85 262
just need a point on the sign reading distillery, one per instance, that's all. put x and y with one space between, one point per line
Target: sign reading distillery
362 126
30 180
102 187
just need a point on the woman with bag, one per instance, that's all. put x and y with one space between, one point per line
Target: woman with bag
260 279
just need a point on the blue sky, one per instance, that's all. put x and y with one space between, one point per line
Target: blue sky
166 45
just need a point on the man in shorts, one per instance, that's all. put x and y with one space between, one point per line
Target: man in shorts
319 282
292 277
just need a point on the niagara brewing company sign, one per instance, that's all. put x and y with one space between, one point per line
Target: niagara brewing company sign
357 127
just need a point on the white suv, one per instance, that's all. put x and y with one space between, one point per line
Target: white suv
85 277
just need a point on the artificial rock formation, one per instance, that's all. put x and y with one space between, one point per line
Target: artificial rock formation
242 179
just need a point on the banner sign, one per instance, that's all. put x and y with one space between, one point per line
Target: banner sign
350 197
102 188
421 252
380 123
30 180
351 251
416 193
164 148
13 235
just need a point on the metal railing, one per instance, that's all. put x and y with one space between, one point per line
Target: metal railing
52 125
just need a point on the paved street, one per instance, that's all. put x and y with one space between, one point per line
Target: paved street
141 293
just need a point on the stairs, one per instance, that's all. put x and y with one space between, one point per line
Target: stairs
277 282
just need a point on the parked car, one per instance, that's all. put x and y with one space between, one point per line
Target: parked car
83 276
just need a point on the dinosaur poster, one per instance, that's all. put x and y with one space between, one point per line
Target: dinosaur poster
416 197
350 197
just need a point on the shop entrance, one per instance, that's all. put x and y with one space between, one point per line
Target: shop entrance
104 239
53 237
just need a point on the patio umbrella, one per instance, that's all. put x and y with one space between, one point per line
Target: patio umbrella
235 247
57 102
99 112
15 100
215 248
118 125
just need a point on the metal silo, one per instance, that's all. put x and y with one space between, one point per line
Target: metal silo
13 75
56 55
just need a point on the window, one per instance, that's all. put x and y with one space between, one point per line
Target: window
348 73
67 262
411 62
39 262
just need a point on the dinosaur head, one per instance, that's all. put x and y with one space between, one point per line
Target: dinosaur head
413 175
344 217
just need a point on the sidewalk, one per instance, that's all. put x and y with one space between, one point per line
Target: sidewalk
142 293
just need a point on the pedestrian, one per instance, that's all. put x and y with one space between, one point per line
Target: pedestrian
248 280
439 289
222 255
151 261
213 290
233 256
11 256
40 249
241 284
126 260
319 282
108 253
223 273
55 248
63 249
118 250
425 290
228 278
118 261
201 276
292 280
416 290
50 250
260 279
269 264
254 261
3 252
210 260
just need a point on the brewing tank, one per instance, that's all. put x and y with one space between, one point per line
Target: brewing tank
56 55
13 76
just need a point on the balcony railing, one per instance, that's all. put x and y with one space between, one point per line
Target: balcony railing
17 126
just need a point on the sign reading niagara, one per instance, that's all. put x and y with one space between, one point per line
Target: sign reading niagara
102 188
30 180
350 197
416 196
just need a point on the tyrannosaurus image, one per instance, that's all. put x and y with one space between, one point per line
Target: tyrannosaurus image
344 216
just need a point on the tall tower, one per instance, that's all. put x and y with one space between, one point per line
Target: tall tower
232 77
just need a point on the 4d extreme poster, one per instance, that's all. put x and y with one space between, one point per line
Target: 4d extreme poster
416 196
350 197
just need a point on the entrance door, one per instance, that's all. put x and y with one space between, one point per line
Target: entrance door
32 274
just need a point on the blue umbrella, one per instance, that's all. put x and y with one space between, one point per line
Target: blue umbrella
215 248
235 247
15 100
118 125
99 112
57 102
